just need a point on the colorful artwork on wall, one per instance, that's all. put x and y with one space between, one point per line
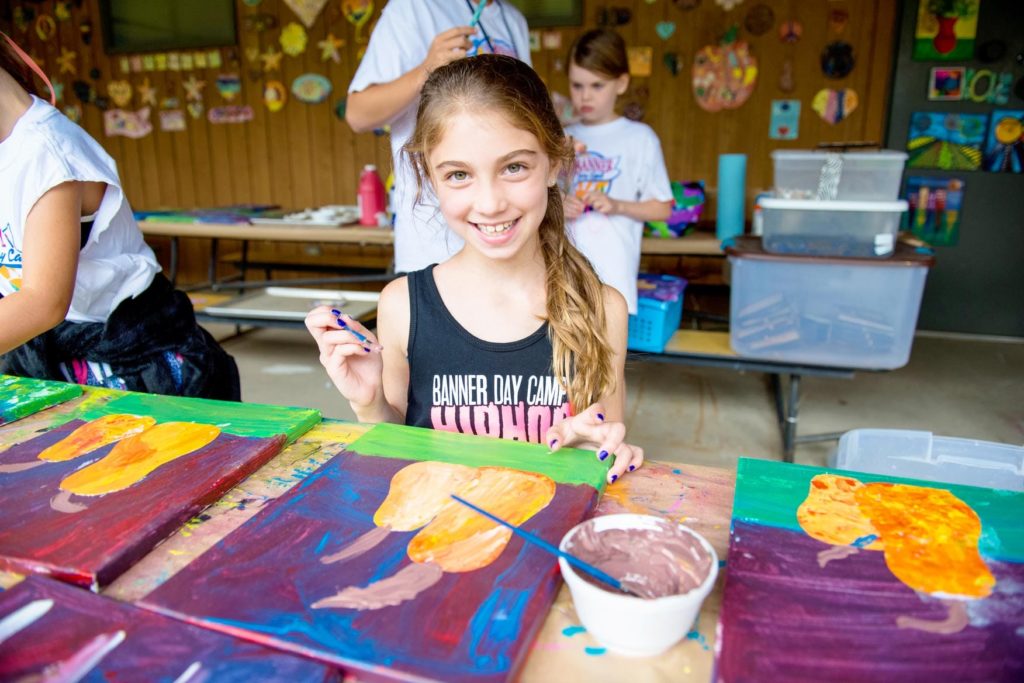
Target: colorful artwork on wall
369 565
935 209
950 141
1004 149
54 632
20 397
946 83
850 576
946 29
92 489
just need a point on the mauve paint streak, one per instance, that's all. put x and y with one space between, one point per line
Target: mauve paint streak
118 528
786 619
263 577
155 648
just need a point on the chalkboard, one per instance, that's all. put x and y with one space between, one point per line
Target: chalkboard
133 26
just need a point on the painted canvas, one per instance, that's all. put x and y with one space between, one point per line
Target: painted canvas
50 631
21 396
1004 149
850 576
370 566
936 206
92 489
946 29
949 141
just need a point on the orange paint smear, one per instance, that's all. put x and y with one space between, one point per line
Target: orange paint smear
96 434
418 492
136 456
931 538
461 540
830 512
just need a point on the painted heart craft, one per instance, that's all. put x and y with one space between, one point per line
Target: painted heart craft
834 105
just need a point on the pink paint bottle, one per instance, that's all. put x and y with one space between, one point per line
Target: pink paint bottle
372 200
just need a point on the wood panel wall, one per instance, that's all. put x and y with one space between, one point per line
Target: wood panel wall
304 155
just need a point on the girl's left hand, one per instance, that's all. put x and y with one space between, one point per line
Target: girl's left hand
589 429
601 202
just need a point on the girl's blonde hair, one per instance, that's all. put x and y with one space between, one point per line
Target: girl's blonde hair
602 51
576 321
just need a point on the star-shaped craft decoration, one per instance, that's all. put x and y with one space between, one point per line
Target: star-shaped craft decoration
193 88
67 60
147 93
329 48
271 59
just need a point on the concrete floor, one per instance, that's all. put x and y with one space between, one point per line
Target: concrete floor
952 387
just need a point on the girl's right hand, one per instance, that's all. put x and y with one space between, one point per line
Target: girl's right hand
354 365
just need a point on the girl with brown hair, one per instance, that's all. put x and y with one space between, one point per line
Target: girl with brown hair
514 336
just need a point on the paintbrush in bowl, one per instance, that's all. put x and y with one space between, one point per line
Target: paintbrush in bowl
541 543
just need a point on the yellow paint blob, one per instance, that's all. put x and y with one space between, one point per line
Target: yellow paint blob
136 456
418 492
830 512
931 538
96 434
1009 130
461 540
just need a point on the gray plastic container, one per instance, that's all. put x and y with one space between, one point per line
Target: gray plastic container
921 455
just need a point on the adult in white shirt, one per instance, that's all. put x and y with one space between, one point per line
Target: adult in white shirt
411 39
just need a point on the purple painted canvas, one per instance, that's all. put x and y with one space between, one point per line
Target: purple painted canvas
847 576
93 488
51 632
369 565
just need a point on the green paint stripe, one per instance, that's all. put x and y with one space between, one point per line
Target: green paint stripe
567 466
240 419
21 396
769 493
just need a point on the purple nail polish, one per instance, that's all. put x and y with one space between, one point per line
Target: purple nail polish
366 348
600 416
632 467
602 455
614 477
341 323
553 443
336 312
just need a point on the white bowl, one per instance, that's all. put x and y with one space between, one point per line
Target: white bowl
630 625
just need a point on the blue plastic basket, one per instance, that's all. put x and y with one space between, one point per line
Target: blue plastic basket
654 323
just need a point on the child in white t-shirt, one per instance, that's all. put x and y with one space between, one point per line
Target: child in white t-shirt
411 39
620 180
82 298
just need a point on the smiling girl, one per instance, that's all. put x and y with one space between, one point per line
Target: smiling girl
514 336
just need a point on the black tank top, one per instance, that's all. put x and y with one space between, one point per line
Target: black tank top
459 383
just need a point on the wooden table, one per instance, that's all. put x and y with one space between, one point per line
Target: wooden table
697 243
699 496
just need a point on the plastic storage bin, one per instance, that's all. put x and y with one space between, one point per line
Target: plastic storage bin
656 320
855 313
831 228
865 176
920 455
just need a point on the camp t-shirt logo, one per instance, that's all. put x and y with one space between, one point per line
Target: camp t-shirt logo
10 258
594 173
516 407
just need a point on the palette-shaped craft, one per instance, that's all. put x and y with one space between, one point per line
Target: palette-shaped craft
371 566
851 576
94 488
21 396
50 631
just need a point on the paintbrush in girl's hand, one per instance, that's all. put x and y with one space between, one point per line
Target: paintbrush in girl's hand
538 541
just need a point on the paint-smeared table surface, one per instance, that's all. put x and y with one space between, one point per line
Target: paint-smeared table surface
699 496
